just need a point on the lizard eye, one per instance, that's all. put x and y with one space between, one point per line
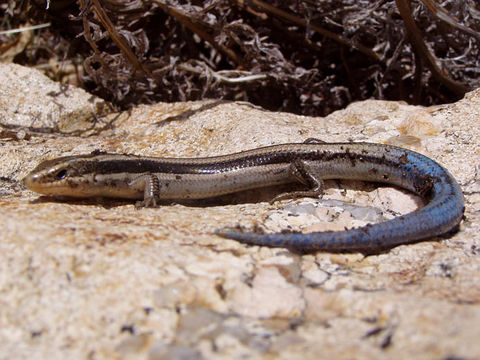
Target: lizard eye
62 174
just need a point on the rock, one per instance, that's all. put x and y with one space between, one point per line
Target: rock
100 279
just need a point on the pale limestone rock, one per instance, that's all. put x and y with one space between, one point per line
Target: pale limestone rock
28 98
269 288
100 279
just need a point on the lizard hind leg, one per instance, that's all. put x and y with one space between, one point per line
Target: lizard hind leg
302 172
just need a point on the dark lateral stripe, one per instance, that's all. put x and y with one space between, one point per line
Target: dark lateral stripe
115 165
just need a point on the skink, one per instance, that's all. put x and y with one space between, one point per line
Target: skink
153 179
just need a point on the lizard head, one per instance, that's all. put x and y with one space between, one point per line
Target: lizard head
55 177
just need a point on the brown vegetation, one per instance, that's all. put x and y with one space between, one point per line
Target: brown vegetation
309 57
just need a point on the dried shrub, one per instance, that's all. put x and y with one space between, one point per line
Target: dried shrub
309 57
